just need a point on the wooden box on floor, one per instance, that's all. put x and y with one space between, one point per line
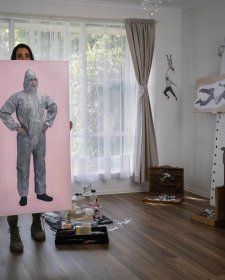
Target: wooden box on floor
166 185
219 210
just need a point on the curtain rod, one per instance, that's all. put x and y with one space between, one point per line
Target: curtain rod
80 19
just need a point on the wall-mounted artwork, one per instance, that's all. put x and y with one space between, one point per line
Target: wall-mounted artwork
35 137
169 91
210 94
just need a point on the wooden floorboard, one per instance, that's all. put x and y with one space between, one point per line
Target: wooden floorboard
159 242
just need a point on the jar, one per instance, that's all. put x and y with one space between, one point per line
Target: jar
93 198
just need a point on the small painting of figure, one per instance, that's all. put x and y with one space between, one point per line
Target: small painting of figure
210 94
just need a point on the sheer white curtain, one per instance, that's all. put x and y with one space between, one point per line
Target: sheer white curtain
103 137
102 88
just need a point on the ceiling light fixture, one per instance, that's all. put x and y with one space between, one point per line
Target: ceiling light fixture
152 6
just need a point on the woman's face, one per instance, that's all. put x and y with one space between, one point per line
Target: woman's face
22 54
33 82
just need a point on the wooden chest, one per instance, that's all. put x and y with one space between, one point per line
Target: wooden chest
166 185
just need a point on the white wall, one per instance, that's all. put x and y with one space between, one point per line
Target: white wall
167 112
168 41
203 31
185 139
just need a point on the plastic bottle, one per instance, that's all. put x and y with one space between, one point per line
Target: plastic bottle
100 212
77 202
93 198
96 213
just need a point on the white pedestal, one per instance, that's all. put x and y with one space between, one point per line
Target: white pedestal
219 142
218 167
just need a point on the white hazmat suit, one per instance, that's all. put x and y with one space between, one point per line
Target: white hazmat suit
33 111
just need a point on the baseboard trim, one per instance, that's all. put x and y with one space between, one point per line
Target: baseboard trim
126 186
194 191
113 187
130 190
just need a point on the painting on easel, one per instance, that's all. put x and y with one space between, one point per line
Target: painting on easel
210 94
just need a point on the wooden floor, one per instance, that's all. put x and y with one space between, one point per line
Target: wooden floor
160 242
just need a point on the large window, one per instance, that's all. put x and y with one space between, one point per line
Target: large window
102 88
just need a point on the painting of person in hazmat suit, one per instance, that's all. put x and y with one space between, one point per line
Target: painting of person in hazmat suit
35 113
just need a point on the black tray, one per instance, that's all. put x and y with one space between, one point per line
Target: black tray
99 235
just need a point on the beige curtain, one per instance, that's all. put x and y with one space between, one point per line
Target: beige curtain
141 39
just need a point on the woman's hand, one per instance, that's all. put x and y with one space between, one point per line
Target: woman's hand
22 131
71 125
44 128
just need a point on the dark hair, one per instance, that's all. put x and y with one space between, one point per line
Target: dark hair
13 56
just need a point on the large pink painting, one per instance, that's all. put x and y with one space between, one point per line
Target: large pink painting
53 81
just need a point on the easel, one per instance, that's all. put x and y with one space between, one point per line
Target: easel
217 195
219 142
219 219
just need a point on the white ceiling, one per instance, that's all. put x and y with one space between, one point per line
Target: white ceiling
181 4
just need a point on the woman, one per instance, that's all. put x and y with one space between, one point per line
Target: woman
23 52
